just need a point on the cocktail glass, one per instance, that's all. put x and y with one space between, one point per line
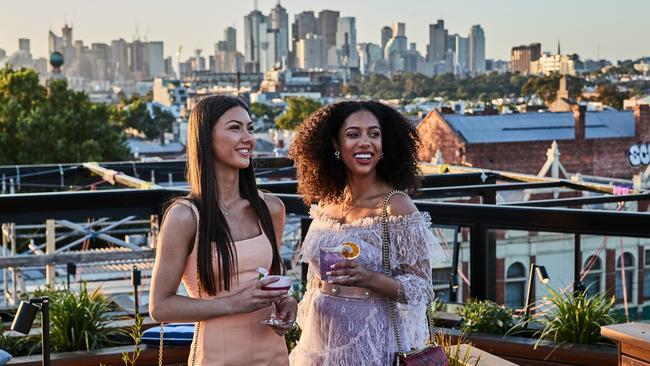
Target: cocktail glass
282 284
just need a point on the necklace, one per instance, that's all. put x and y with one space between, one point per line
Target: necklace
351 206
226 212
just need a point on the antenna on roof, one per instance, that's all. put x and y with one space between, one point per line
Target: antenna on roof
255 2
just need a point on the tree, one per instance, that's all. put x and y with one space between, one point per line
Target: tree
147 118
60 127
298 110
609 94
262 110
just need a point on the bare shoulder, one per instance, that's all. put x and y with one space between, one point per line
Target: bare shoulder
275 205
180 223
180 214
401 205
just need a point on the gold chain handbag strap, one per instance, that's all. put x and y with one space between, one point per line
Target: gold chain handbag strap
387 271
392 313
197 326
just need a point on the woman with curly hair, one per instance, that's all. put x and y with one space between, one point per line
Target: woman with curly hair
350 157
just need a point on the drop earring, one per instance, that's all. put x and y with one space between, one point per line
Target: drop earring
381 156
337 155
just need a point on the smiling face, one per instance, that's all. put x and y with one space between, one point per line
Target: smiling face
232 139
359 141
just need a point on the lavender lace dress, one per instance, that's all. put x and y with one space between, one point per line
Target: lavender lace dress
344 331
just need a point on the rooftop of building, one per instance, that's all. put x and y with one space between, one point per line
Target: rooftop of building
539 126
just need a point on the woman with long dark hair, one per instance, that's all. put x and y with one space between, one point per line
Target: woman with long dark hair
356 161
215 239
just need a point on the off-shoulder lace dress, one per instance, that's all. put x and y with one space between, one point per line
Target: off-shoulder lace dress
345 331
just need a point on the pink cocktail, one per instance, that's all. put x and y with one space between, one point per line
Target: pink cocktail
282 284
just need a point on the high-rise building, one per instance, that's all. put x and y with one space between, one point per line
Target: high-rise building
304 24
120 59
522 56
327 24
155 59
437 42
386 35
346 41
226 58
461 55
255 41
476 50
69 53
54 43
309 52
23 45
399 29
278 36
230 37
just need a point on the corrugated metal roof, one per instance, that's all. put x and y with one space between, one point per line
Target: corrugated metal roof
539 126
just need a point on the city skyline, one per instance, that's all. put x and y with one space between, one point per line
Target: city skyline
586 28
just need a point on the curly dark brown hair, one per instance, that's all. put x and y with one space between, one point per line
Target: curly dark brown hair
321 177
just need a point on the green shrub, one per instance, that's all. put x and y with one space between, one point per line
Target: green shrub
486 316
576 318
80 321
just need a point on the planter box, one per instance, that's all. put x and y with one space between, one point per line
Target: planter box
521 350
173 356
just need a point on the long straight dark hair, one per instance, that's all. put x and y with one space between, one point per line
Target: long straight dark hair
204 192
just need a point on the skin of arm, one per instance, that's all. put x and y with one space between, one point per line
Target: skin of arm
287 306
174 245
350 273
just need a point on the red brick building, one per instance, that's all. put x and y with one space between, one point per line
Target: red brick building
609 144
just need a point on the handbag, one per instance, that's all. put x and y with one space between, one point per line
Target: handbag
197 326
430 355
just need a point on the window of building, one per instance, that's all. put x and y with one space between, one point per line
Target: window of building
440 277
646 273
628 262
593 277
515 285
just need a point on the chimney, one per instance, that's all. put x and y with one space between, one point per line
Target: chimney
642 122
579 112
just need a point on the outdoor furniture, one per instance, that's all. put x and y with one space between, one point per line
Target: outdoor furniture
633 342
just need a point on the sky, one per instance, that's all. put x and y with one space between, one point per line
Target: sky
614 30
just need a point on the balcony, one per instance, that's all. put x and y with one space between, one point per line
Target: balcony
493 226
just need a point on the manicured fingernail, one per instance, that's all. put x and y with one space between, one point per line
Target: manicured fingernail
333 265
328 273
330 281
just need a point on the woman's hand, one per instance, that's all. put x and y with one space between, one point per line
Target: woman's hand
287 309
253 297
350 273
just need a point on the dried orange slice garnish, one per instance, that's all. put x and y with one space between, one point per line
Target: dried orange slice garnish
350 250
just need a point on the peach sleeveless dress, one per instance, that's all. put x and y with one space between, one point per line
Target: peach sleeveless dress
237 339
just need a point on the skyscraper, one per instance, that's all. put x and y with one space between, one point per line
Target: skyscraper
476 50
304 24
155 59
278 36
255 42
386 35
461 55
437 42
230 37
309 52
346 41
327 23
23 45
522 56
399 29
